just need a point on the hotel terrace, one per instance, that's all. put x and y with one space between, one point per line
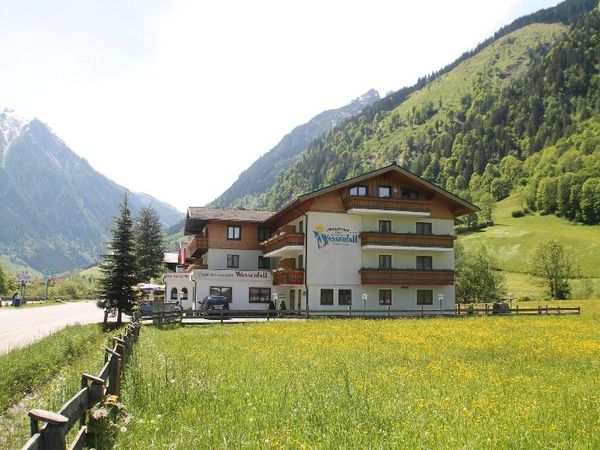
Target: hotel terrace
381 240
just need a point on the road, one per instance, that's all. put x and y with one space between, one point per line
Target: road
20 326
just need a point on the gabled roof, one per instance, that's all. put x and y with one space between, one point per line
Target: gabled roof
198 216
464 207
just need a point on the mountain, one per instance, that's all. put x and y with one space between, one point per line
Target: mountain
56 209
519 114
259 177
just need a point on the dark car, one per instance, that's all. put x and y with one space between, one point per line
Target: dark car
214 304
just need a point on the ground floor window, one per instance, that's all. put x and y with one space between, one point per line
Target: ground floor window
174 294
424 297
225 291
344 297
326 296
259 295
184 294
385 296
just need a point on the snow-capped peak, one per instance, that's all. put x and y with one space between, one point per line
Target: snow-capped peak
10 125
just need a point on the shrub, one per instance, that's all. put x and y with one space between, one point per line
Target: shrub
518 213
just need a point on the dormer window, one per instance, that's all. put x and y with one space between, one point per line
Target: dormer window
385 191
358 191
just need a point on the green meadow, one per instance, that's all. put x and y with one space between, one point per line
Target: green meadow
511 241
45 375
496 382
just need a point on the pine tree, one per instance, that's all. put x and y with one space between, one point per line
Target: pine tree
119 268
149 246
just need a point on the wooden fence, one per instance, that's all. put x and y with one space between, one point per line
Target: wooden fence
52 434
539 310
187 317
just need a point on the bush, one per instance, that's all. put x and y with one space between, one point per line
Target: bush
518 213
282 305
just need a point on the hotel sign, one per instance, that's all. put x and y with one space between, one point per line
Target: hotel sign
334 236
232 274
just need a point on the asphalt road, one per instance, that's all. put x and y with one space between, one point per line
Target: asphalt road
21 326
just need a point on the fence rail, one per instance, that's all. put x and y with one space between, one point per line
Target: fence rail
56 425
187 317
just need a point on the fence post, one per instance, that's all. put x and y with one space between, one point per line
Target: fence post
458 309
268 314
349 310
54 433
388 311
221 316
422 311
539 309
517 309
487 309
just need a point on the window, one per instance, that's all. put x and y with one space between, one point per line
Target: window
385 261
424 263
326 296
344 297
264 263
184 293
409 194
358 191
259 295
424 297
300 261
234 233
264 233
385 296
301 227
385 191
233 261
385 226
222 290
174 294
424 228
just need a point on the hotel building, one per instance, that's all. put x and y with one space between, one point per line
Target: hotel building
382 239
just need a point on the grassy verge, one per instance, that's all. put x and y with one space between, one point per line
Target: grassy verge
45 375
500 382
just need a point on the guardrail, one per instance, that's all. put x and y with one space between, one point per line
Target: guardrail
52 435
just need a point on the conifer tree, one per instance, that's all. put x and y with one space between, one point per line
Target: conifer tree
119 267
149 245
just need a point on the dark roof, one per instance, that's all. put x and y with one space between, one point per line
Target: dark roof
228 215
197 217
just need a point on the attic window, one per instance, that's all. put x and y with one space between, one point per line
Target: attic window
409 194
358 191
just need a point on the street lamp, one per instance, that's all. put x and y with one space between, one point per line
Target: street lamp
365 297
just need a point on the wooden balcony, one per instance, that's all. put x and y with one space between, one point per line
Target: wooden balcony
288 277
282 240
416 207
377 239
406 277
198 246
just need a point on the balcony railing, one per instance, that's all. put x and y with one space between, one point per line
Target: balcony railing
288 276
407 277
282 240
197 246
406 239
387 203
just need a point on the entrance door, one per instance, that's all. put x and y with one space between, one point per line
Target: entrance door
292 299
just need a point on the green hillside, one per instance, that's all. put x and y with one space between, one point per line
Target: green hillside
511 240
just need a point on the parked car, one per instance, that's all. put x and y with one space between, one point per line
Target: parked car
214 304
147 308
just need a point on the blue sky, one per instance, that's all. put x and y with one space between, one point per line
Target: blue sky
176 98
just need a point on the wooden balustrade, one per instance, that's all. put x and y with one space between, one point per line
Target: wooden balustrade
387 203
282 240
288 276
198 245
406 239
407 277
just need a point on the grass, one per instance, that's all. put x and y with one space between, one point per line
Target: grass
499 382
45 375
512 240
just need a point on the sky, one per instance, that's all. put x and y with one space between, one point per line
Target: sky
177 98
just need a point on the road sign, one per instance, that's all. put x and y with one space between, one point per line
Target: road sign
24 278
